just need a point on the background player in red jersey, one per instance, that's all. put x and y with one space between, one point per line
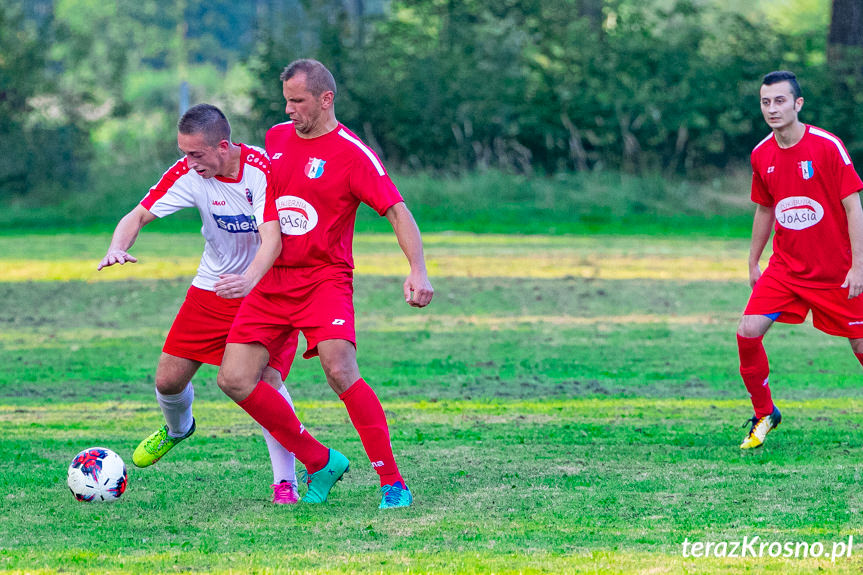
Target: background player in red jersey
227 183
805 187
321 172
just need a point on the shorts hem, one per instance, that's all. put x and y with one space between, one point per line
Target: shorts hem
191 356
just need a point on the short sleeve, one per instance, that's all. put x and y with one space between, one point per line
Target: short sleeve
172 193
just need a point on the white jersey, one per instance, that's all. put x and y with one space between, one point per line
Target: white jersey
230 211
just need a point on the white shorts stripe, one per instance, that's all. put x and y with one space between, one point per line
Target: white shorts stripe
365 150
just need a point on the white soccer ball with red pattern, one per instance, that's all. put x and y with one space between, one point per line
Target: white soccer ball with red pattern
97 474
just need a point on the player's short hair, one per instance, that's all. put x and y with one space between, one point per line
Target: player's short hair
318 78
783 76
208 120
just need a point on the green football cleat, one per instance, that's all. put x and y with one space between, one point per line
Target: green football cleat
321 482
156 446
395 495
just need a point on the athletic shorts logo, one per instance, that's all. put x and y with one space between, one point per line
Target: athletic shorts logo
806 169
277 156
315 168
236 224
296 216
338 322
798 213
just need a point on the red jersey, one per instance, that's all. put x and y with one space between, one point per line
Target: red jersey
315 189
805 185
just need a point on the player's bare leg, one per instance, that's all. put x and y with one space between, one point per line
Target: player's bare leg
755 371
175 395
339 360
239 377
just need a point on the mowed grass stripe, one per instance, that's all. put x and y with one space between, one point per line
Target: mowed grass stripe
167 256
540 266
491 410
531 562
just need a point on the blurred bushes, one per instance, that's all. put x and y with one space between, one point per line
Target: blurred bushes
538 86
606 89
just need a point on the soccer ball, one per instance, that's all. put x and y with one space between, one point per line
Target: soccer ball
97 474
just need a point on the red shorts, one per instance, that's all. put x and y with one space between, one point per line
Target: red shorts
287 299
200 330
832 311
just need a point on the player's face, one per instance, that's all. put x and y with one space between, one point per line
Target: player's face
779 106
205 159
302 106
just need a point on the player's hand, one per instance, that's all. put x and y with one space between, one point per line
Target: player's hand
116 257
418 289
232 286
754 275
854 282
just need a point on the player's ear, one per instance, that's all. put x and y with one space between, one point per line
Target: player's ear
327 99
798 104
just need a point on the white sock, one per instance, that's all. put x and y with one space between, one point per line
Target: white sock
177 410
284 464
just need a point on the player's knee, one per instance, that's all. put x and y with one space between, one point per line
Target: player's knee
233 384
341 376
856 345
169 386
749 329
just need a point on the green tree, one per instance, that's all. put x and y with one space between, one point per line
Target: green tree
44 142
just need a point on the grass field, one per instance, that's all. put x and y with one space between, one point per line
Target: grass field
565 405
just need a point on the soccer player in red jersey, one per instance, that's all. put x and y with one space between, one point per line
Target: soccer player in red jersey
806 189
321 172
227 183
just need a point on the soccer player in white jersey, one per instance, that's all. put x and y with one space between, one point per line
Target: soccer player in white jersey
227 183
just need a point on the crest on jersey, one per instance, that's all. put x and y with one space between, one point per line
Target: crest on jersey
806 169
249 196
798 212
315 168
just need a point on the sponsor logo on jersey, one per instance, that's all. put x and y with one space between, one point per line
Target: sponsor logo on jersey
315 168
239 224
798 213
806 169
249 196
219 202
296 216
770 169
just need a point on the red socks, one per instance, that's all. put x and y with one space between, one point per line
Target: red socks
269 408
755 371
368 417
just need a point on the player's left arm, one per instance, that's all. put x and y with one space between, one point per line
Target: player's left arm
854 212
417 287
239 285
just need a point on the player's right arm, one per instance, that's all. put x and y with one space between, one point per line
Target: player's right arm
762 225
124 237
239 285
